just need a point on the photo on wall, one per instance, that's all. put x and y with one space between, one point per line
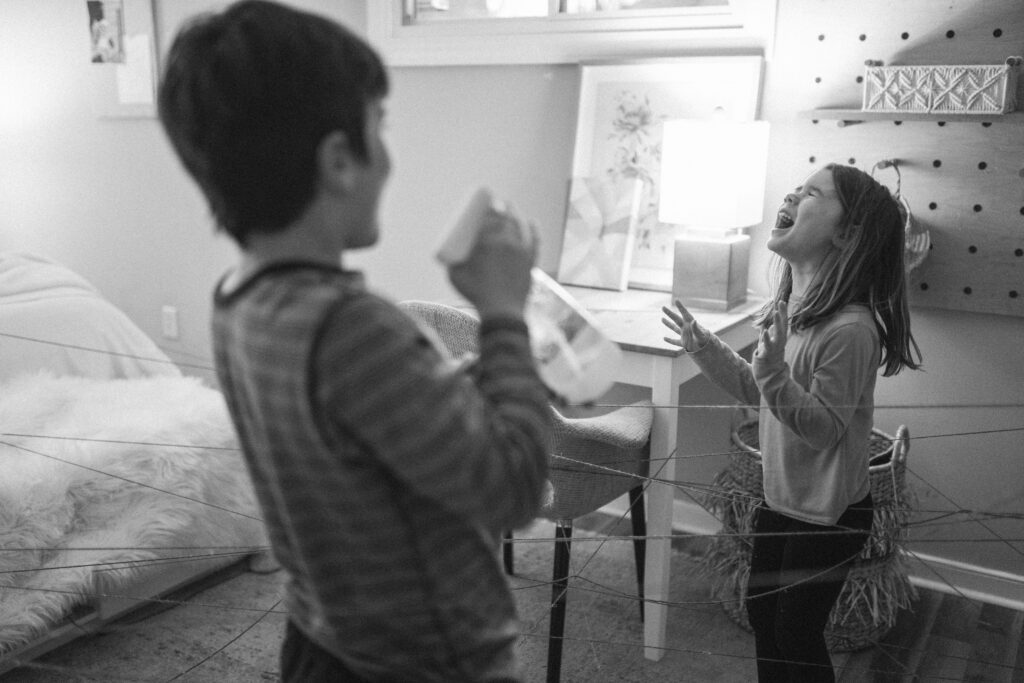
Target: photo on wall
106 31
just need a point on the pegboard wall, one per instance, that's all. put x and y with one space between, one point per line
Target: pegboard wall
963 179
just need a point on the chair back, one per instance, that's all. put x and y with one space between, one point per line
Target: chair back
457 329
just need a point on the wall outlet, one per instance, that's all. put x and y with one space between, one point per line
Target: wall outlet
169 322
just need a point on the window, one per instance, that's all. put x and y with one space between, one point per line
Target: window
436 32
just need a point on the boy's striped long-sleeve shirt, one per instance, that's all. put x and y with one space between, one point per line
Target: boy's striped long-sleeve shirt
385 474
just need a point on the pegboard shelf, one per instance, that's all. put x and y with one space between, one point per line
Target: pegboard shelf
845 117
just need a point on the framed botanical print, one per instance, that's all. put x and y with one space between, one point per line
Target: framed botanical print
618 134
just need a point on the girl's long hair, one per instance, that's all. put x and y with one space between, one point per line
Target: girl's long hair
867 269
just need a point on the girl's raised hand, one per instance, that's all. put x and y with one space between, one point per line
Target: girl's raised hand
692 336
772 343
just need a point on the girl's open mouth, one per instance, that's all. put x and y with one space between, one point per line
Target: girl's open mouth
783 221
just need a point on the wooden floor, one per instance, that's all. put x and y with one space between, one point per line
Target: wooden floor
945 638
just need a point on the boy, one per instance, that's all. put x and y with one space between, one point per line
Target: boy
385 476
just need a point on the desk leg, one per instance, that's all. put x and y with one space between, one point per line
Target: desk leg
664 392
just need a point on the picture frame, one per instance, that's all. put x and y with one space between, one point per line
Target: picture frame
600 229
618 133
123 53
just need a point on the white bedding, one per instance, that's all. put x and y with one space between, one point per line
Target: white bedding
58 518
53 319
69 506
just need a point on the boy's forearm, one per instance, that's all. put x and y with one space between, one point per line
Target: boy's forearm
508 378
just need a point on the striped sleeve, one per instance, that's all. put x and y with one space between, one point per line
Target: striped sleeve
477 446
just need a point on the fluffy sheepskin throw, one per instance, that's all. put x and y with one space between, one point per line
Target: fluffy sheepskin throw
69 506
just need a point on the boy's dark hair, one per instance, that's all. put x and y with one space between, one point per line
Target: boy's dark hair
246 97
867 269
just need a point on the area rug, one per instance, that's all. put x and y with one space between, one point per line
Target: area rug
603 632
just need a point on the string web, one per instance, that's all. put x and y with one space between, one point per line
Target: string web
926 518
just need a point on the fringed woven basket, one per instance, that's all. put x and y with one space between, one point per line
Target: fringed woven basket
877 587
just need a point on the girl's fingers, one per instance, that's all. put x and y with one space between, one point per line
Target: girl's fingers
683 312
672 325
675 341
676 318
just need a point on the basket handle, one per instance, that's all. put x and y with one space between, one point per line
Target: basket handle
901 444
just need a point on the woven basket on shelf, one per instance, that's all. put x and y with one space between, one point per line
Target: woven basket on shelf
877 586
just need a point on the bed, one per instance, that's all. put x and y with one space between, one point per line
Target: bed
121 476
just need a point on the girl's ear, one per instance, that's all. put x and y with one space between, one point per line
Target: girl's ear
842 236
336 164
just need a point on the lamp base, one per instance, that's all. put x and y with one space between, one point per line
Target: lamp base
711 272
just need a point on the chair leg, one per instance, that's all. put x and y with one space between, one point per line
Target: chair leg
639 519
506 552
559 588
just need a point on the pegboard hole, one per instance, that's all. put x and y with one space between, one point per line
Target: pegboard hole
811 159
898 123
937 163
950 34
972 249
862 37
932 205
977 208
821 36
852 161
817 79
1013 294
982 166
942 123
1018 252
924 286
998 32
968 290
986 124
904 35
860 79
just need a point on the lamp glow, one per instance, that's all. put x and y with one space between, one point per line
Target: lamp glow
712 184
713 173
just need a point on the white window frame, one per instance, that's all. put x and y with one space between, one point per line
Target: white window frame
741 25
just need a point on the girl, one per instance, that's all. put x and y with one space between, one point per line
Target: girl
838 312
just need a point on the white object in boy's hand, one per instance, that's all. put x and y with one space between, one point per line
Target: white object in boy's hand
574 357
461 236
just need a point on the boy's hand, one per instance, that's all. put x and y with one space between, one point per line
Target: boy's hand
692 336
772 343
495 278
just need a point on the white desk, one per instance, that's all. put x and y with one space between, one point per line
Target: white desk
633 320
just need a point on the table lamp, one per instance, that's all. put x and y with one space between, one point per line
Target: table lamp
712 184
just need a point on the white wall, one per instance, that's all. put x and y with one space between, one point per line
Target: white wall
109 199
106 196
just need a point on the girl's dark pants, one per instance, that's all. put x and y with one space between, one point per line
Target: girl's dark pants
795 579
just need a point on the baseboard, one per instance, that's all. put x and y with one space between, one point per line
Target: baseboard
969 580
926 571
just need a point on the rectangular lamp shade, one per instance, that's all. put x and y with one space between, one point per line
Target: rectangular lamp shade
712 183
713 173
